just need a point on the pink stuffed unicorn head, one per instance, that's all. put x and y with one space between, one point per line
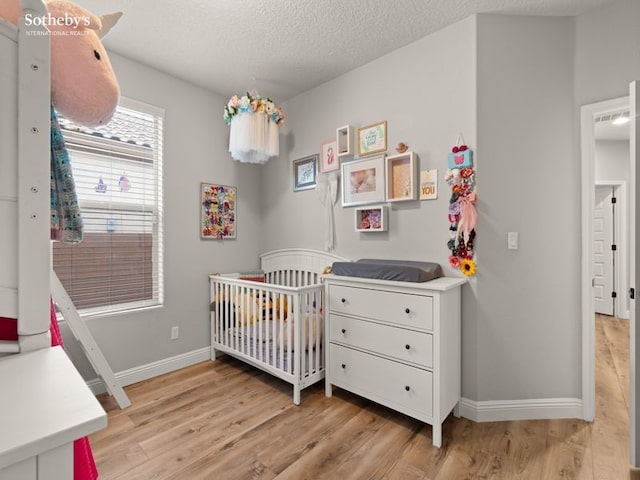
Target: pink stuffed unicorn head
84 87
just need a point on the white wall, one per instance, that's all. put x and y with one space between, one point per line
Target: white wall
426 93
515 345
195 150
612 160
607 53
528 312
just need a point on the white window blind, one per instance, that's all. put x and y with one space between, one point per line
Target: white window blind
117 169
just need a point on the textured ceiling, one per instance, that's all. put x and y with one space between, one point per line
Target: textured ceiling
285 47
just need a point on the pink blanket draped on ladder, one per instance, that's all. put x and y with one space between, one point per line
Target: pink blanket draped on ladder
84 466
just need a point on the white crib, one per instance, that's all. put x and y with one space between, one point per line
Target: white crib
275 325
45 404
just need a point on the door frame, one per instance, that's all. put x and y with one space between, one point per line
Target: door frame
587 116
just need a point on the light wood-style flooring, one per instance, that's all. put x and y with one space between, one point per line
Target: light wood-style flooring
224 420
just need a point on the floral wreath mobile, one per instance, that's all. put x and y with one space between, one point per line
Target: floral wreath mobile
462 211
252 102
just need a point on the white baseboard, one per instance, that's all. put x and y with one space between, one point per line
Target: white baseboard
488 411
150 370
533 409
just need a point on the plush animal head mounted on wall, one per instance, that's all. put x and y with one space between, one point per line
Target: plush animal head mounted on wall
84 87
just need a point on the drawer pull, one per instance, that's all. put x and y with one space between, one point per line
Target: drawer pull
407 346
343 300
344 365
407 311
344 330
407 388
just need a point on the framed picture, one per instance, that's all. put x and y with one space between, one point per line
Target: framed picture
329 160
371 219
401 171
344 137
217 211
363 181
429 184
372 138
305 171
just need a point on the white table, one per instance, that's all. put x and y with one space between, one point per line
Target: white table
44 406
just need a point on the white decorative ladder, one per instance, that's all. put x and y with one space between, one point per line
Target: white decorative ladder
88 343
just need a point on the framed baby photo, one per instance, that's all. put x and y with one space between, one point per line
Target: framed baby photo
305 172
329 160
363 181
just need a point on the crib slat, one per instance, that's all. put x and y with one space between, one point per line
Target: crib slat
222 323
216 296
258 307
296 336
318 333
290 343
281 345
260 323
272 344
239 314
231 313
246 310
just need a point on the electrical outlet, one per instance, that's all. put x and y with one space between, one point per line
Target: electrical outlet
175 333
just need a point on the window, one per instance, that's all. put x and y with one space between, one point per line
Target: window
117 169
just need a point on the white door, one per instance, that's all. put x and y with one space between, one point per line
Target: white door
603 265
634 271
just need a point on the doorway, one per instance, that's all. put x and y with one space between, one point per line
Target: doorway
596 123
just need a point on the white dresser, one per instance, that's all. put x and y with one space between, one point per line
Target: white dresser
396 343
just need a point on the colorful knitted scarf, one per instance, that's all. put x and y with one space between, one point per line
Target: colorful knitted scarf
66 220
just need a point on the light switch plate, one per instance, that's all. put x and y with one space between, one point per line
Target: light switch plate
512 240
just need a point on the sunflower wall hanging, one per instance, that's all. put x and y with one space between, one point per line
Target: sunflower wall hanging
462 211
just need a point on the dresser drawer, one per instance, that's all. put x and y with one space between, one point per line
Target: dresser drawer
405 345
402 308
401 387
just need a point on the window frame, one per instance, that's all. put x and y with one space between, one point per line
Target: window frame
157 219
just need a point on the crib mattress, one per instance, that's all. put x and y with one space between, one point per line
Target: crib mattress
270 350
383 269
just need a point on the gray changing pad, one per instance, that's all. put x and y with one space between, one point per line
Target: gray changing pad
398 270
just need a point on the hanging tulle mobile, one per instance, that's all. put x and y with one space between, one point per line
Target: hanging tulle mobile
254 123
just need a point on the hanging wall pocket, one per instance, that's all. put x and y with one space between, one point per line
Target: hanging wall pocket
460 159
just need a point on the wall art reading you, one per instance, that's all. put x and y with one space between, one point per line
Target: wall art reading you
462 211
217 211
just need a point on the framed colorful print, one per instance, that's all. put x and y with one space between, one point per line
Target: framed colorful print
371 219
363 181
217 211
429 184
329 160
372 139
305 172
